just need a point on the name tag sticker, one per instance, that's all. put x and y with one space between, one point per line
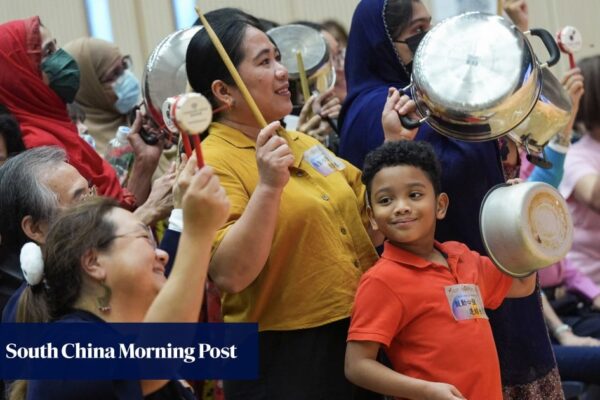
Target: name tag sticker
322 160
465 302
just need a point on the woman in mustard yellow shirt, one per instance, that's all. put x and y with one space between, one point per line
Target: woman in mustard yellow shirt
296 242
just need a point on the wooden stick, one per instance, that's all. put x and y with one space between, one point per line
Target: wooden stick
303 78
500 7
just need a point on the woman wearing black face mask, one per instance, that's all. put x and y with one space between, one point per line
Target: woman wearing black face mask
37 79
384 36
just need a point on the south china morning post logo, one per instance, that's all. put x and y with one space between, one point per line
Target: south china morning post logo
78 350
128 351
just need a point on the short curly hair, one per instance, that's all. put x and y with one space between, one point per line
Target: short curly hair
404 152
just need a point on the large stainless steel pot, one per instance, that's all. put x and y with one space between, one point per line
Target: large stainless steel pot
475 76
320 73
525 227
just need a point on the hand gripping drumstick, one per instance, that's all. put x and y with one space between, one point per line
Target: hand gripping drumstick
234 73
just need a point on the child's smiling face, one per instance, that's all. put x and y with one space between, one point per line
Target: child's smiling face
404 205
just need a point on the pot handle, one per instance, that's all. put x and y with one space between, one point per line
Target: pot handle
541 160
406 121
409 123
548 39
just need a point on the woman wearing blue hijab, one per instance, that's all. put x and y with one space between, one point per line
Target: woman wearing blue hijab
383 37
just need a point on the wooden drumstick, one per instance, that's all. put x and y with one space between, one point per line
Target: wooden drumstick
303 78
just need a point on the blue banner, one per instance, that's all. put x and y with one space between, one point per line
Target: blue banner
128 351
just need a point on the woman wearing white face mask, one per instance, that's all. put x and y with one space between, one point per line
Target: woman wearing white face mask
108 90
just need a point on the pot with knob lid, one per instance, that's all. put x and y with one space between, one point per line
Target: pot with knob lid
476 77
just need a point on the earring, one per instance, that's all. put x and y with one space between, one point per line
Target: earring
103 302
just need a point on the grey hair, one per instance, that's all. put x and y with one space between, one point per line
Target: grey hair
24 191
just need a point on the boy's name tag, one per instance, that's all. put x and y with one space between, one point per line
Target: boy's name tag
465 302
322 160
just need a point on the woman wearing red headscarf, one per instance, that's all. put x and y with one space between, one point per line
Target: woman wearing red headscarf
36 82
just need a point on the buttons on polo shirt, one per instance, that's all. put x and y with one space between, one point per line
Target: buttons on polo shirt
325 197
343 230
299 174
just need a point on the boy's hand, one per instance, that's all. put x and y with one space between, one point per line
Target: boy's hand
514 181
395 106
441 391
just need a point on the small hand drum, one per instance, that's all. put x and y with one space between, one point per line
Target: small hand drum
569 41
190 114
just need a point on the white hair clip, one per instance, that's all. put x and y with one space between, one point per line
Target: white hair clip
32 263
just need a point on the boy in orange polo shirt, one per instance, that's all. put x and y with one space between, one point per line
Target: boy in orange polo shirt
423 301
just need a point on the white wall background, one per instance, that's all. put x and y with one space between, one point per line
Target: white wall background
139 25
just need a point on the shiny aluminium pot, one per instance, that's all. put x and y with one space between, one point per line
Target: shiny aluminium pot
165 74
525 227
550 115
318 66
475 76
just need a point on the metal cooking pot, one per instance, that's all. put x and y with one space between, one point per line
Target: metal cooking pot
165 75
475 76
549 116
293 38
525 227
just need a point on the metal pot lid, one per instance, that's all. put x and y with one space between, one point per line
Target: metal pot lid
308 41
471 61
165 75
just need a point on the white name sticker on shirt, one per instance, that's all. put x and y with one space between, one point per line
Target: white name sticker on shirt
322 160
465 302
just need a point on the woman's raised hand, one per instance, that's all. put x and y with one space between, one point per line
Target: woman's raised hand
205 203
518 12
572 81
273 156
396 106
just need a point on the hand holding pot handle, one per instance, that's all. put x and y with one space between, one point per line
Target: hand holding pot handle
398 106
406 121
